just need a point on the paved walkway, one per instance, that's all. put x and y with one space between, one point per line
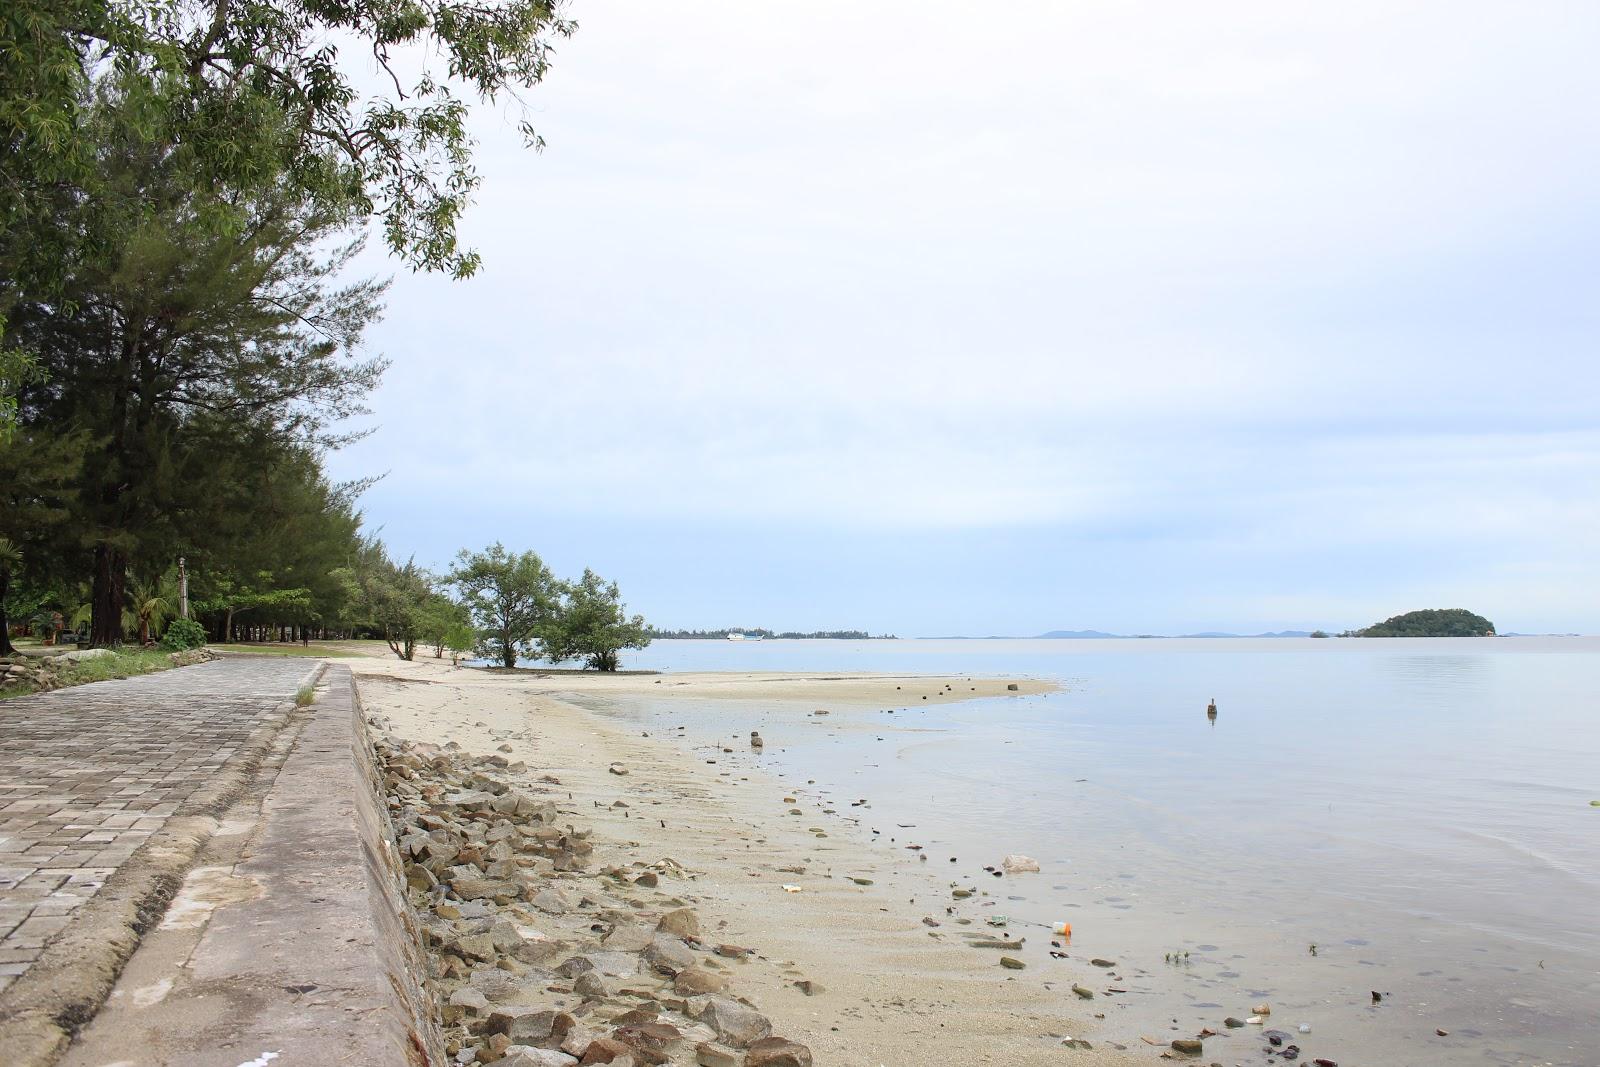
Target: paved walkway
87 774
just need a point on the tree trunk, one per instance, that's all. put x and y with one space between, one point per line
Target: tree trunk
110 575
508 653
5 623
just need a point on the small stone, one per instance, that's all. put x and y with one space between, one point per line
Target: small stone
1011 963
1231 1023
1189 1046
617 768
1442 1033
1261 1009
1085 993
808 987
647 880
1103 963
590 984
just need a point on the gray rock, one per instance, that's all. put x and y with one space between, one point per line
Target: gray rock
552 901
590 984
528 1056
736 1024
669 956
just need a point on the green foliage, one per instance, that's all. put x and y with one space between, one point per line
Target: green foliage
1432 622
511 598
392 598
592 624
183 634
122 663
440 619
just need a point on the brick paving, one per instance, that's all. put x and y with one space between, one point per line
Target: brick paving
87 774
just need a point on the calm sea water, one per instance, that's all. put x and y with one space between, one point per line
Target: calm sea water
1416 809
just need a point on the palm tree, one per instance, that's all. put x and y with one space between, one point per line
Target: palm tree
10 560
149 604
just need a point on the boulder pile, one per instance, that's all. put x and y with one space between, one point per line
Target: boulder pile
535 958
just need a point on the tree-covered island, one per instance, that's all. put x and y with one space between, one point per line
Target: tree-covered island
1431 622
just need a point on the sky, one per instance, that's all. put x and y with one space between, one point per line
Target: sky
936 319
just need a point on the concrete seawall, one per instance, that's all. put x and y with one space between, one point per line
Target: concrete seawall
291 942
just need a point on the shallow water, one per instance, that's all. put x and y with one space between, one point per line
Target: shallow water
1417 810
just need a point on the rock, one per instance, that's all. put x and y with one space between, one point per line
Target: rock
467 999
1097 962
1189 1046
1016 864
590 984
495 984
1012 687
528 1056
777 1052
477 947
682 922
552 902
647 880
1086 994
617 768
693 981
607 1050
669 956
708 1054
523 1026
632 937
1261 1009
809 988
1011 963
736 1024
1231 1023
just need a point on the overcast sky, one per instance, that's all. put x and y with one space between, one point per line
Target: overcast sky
950 319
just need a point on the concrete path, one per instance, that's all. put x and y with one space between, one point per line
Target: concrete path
105 792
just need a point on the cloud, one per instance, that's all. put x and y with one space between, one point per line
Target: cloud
1266 292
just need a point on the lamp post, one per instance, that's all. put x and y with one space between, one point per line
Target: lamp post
183 590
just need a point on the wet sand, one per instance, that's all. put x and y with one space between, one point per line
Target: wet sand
893 989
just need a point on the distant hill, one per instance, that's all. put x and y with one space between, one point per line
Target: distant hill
1275 633
1078 634
1431 622
1095 634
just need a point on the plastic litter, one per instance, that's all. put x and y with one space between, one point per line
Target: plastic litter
791 889
1064 929
996 920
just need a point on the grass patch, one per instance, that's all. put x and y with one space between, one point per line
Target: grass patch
311 651
305 696
122 663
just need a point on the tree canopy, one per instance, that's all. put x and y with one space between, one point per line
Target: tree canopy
1432 622
592 624
511 598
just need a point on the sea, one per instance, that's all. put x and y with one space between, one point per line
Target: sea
1391 842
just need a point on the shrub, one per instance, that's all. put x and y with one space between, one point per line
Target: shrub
182 634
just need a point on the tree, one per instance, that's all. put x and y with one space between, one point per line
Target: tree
150 603
442 619
10 562
592 624
510 598
196 310
391 597
1432 622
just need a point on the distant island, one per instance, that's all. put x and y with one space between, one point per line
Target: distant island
1432 622
768 635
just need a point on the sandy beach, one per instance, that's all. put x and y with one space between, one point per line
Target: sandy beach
887 951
